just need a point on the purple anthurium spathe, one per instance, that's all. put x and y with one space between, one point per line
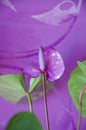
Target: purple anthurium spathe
53 65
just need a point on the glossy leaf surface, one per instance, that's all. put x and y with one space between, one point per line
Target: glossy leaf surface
24 121
12 87
38 91
34 82
76 83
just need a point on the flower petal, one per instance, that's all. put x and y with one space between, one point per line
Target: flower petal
32 70
54 64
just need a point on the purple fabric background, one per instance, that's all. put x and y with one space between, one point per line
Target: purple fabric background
62 112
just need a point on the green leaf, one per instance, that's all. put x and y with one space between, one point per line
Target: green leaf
76 83
12 87
38 90
24 121
34 82
82 66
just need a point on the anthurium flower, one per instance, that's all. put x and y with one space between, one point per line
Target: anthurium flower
53 62
20 42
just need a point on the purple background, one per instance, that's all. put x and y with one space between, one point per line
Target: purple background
62 112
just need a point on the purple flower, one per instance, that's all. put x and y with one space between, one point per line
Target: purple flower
14 37
53 65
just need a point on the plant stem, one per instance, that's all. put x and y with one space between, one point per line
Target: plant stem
45 100
79 119
30 102
80 103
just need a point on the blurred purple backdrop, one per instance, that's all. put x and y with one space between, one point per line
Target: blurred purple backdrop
14 33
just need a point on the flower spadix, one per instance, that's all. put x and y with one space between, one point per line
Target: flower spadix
49 62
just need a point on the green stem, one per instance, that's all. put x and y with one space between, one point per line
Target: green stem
30 102
45 100
80 103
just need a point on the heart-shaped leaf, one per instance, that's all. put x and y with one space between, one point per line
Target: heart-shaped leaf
82 66
34 82
36 90
76 83
24 121
12 87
